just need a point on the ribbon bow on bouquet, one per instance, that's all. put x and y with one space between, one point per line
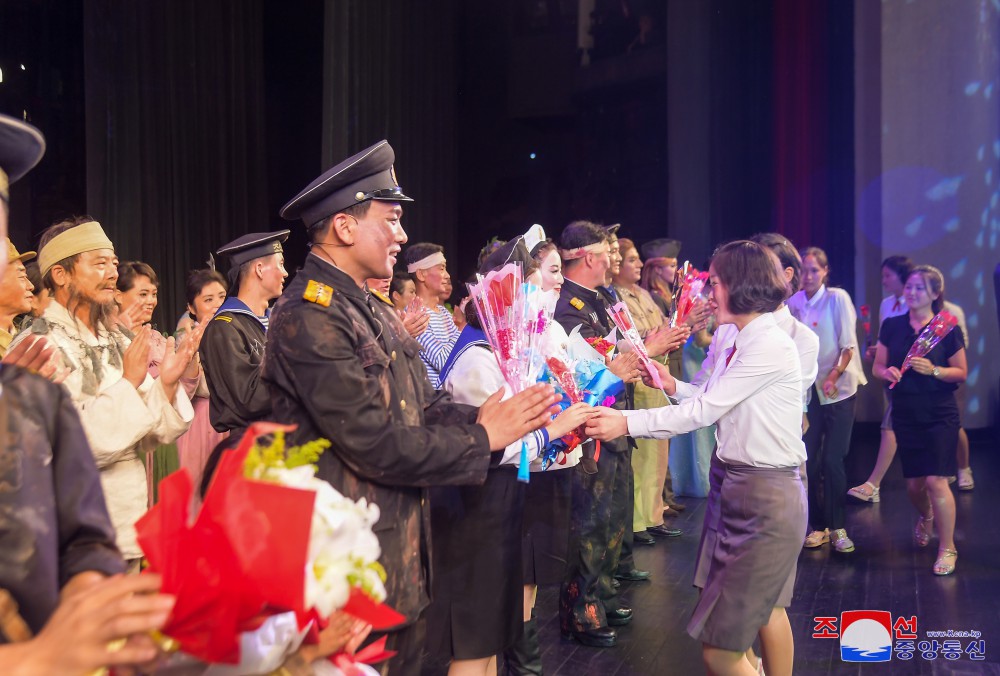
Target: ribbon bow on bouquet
578 373
866 325
270 538
933 333
514 315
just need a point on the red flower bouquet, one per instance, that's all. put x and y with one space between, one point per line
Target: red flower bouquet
933 333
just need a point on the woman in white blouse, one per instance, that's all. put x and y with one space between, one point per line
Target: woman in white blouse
829 312
754 395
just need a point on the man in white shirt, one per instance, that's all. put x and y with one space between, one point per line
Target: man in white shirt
122 408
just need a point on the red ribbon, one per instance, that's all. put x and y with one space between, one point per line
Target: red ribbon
370 654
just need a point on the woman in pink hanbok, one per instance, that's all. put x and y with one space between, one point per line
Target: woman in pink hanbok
205 291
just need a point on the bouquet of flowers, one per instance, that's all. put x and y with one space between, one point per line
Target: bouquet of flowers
622 318
579 374
514 315
866 325
933 333
270 539
690 288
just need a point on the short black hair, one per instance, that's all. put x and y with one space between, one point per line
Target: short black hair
901 265
582 233
421 250
746 270
358 211
785 252
197 280
129 271
399 280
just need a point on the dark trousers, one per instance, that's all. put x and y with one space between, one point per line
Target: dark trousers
619 556
827 441
597 528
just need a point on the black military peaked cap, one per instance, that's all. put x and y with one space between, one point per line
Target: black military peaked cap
253 245
21 147
366 176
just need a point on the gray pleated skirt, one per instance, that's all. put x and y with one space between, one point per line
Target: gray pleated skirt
754 527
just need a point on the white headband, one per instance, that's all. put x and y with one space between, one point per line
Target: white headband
580 252
424 263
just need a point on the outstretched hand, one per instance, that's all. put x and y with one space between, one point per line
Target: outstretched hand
507 421
606 424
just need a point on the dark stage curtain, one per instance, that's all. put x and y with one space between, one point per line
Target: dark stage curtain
390 72
175 138
813 129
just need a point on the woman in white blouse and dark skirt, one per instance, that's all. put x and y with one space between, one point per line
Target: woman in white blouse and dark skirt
755 398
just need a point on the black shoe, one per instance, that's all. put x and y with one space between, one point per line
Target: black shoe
665 531
676 506
615 584
634 575
620 617
524 658
643 539
601 637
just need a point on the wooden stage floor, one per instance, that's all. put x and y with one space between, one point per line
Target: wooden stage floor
885 572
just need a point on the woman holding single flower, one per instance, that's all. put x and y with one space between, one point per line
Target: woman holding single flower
924 412
755 398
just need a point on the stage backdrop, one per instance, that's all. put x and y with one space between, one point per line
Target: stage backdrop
928 148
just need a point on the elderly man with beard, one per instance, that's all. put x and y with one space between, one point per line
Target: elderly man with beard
122 408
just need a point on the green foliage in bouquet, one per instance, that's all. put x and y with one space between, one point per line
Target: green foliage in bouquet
274 456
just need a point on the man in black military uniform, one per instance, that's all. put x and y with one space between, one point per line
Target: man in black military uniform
341 367
588 603
232 349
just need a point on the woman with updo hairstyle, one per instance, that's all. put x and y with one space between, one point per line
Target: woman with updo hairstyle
754 396
204 292
478 592
924 412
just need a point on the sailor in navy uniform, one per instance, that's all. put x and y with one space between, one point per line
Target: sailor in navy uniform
232 349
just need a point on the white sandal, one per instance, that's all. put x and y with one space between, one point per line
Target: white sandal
860 493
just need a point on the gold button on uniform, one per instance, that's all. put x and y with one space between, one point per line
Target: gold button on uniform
402 404
393 355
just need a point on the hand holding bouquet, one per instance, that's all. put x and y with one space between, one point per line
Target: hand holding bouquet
933 333
514 315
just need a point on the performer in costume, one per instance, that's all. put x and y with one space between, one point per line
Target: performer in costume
342 367
477 610
233 347
125 411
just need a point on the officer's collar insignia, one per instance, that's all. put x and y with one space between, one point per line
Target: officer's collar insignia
381 296
321 294
577 303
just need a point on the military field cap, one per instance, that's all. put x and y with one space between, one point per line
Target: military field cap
366 176
661 248
13 255
254 245
21 147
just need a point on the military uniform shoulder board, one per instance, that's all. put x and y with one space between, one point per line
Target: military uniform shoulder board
318 293
577 303
222 318
382 297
